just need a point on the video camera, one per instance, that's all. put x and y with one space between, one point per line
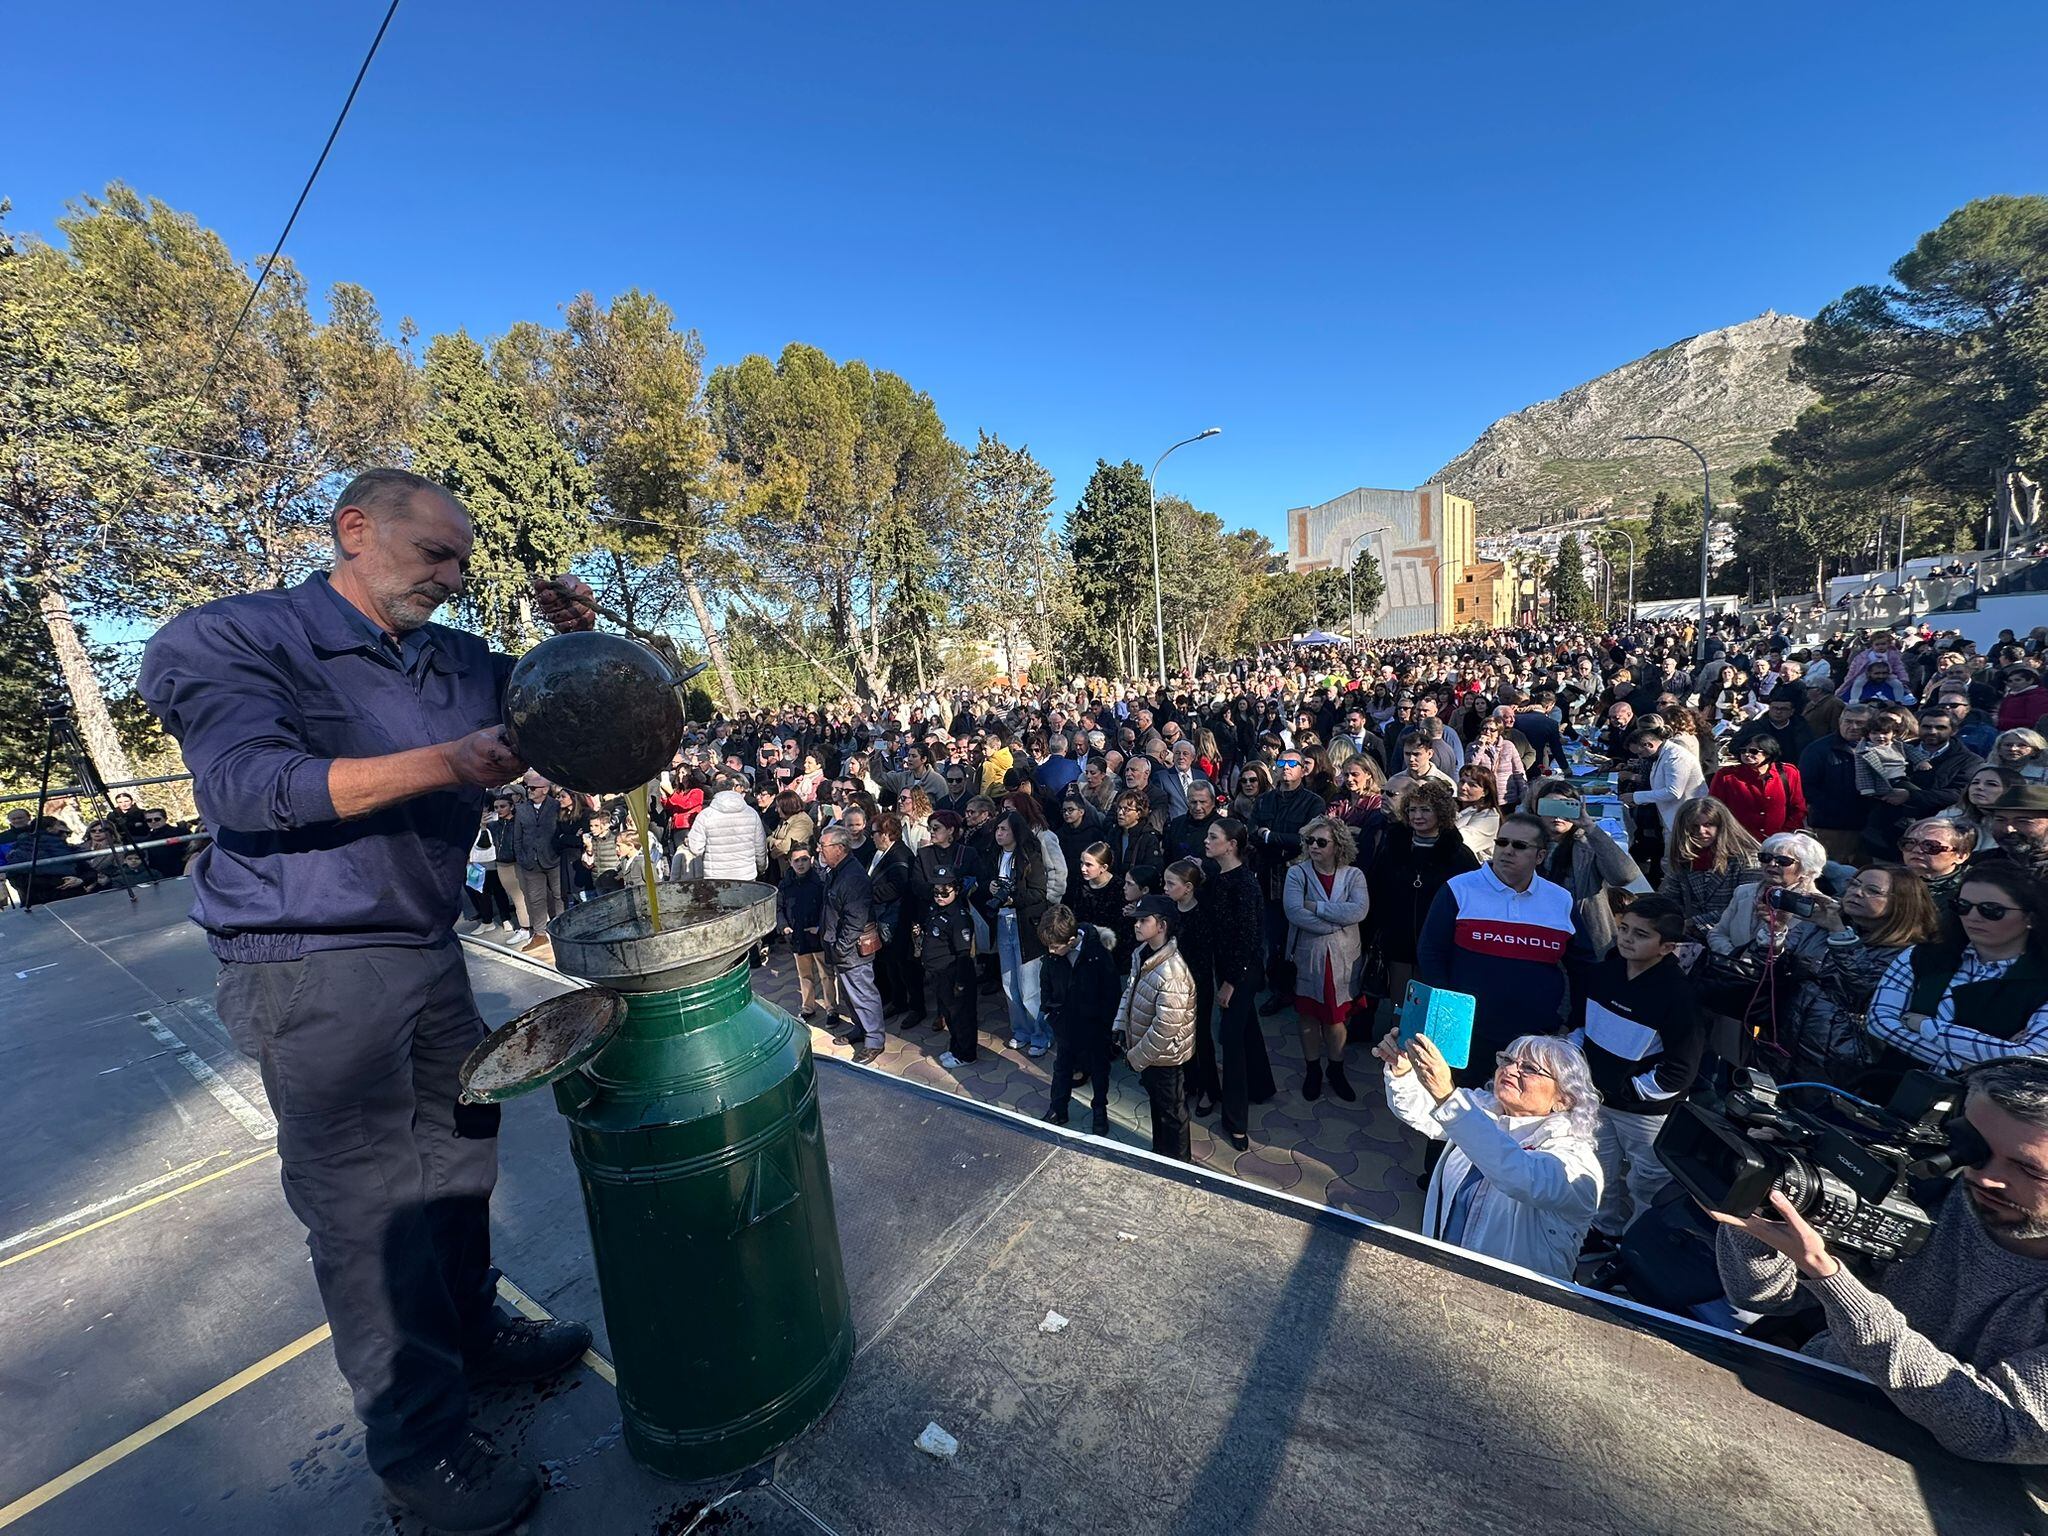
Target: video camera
1847 1168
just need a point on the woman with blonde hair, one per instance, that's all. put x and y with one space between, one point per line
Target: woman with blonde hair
1324 897
917 820
1710 855
2022 751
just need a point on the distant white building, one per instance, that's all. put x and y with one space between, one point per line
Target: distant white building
1421 538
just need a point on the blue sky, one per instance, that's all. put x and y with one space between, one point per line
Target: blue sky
1351 235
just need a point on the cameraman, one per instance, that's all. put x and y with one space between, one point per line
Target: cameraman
1956 1335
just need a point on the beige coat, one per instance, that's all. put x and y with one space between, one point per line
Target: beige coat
1324 928
1157 1018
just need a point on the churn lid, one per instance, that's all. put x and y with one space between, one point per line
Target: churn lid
548 1041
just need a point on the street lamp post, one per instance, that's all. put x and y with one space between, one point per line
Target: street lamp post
1630 615
1706 515
1158 597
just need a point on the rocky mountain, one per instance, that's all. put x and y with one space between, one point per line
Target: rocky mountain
1730 391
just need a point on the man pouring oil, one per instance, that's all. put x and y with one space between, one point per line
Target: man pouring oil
341 746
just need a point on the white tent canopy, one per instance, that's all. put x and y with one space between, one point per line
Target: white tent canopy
1319 637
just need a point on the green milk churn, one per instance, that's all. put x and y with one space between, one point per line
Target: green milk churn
693 1121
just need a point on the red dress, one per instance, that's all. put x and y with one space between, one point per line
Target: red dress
1324 1009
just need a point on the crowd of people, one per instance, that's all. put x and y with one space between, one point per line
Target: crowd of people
1827 863
1646 869
63 854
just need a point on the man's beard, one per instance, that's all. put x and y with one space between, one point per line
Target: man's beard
2000 1220
410 607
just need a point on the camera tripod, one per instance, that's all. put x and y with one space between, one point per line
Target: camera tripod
61 738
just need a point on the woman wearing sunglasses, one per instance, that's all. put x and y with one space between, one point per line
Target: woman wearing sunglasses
1520 1176
1324 898
1837 960
1980 993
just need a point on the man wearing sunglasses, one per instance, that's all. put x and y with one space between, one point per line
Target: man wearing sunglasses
1499 933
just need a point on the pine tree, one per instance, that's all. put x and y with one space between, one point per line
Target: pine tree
1571 599
527 497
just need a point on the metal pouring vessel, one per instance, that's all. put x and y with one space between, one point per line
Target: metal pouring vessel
598 713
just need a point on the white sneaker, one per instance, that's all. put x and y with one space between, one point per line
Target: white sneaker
948 1059
519 937
1016 1044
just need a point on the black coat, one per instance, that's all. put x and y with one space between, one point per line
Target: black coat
1184 839
1277 819
1131 847
849 907
1403 881
890 882
1080 991
800 906
1236 914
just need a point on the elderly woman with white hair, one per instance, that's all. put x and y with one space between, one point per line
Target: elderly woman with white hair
1744 980
1520 1176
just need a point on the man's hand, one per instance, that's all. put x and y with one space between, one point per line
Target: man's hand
482 758
1792 1237
565 603
1389 1051
1225 993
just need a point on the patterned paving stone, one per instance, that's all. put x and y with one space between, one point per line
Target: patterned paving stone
1352 1156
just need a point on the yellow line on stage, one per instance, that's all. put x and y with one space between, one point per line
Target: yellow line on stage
29 1503
526 1306
108 1221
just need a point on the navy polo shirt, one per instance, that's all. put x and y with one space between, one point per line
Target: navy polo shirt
262 692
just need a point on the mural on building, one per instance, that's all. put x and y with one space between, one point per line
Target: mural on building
1421 538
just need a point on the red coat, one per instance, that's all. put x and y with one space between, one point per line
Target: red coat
2018 711
1763 804
682 806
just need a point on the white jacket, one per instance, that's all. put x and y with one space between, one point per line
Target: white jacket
728 838
1675 778
1539 1179
1056 871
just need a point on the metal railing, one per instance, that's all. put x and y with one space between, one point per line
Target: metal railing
81 855
77 791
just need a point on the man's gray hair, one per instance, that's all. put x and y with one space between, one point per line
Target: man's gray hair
384 494
2019 1087
838 837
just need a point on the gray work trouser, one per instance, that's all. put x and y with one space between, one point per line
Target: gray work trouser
390 1175
543 891
861 999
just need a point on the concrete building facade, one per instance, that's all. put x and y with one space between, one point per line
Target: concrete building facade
1421 538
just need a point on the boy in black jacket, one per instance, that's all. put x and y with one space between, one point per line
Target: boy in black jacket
1643 1037
799 907
1078 991
948 937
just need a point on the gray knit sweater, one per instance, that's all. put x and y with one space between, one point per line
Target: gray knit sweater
1957 1335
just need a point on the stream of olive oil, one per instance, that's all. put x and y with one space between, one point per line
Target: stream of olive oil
636 808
